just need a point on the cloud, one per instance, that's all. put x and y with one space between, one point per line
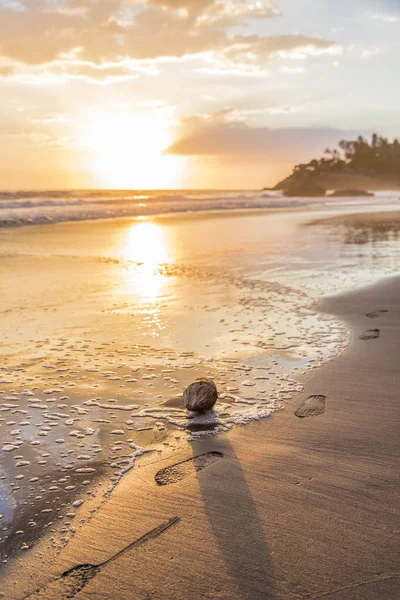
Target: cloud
100 40
217 135
31 136
158 28
221 11
386 18
71 68
195 7
11 5
253 48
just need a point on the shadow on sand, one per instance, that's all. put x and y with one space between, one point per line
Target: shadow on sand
236 526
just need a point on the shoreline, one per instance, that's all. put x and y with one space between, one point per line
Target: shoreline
233 206
312 486
178 214
269 341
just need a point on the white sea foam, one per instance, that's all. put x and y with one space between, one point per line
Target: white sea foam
23 208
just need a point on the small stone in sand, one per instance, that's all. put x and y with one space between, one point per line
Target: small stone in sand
200 395
8 448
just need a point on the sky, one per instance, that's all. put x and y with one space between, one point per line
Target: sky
153 94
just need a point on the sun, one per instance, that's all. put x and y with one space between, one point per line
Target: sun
127 151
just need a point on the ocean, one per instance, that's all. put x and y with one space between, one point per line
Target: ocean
32 207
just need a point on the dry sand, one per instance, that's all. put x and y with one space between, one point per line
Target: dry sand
296 507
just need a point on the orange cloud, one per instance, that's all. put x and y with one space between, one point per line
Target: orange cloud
96 40
219 135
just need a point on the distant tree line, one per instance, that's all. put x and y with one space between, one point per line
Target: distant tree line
380 157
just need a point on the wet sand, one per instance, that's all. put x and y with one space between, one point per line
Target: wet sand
390 221
105 323
289 508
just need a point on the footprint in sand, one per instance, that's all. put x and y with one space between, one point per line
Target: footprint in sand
370 334
311 407
179 471
376 313
71 582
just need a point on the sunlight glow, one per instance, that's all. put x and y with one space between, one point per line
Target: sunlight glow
147 247
126 150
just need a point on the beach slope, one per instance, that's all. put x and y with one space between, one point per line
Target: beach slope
295 507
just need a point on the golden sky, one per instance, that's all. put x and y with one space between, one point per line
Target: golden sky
188 93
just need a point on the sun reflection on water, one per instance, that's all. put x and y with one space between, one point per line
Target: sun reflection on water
146 246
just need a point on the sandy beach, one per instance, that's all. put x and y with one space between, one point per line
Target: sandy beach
199 300
295 508
284 507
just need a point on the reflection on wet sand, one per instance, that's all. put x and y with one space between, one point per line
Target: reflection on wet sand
370 228
146 246
366 234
